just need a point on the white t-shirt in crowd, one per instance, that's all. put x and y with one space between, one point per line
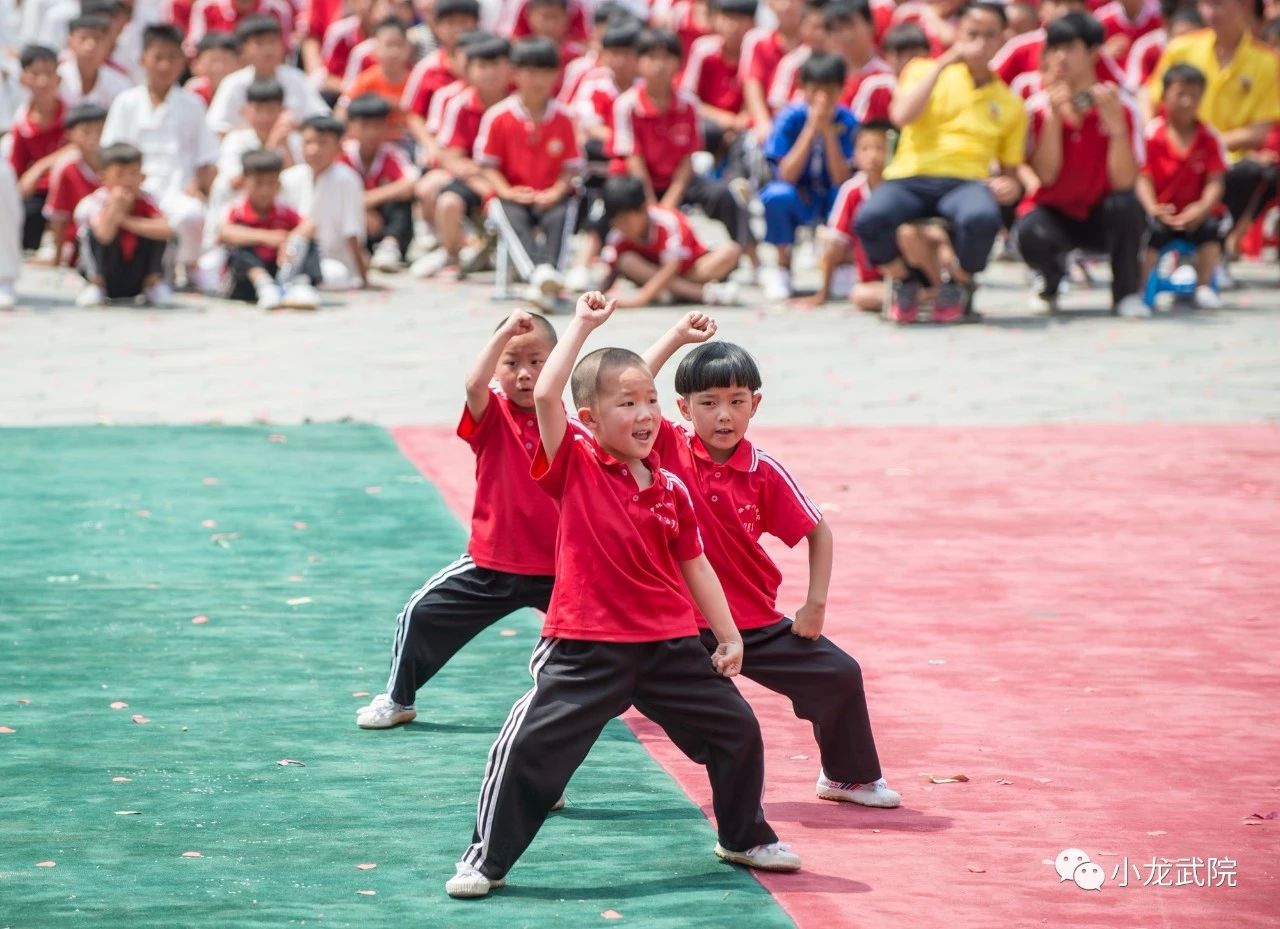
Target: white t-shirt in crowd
109 85
334 202
300 97
173 136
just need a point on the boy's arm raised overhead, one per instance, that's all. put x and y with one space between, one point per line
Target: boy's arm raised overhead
548 396
693 327
708 596
481 373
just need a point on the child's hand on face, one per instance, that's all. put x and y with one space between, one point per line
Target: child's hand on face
518 323
695 327
727 659
594 308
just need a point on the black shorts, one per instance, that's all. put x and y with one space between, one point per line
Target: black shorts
472 199
1214 229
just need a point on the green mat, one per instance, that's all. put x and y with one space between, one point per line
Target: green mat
299 545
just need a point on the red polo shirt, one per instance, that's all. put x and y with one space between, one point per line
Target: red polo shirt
70 181
662 138
670 238
619 548
428 75
1115 21
460 122
339 39
513 524
1179 177
711 77
874 95
762 49
30 142
528 153
143 208
737 502
1021 54
784 89
849 199
1082 182
390 163
853 83
280 218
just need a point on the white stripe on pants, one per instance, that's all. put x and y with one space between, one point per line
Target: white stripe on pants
457 567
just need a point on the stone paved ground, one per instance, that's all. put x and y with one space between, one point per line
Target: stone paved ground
398 356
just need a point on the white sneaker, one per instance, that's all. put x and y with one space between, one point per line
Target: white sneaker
1132 307
469 882
92 295
159 294
269 296
776 856
877 793
1044 303
383 713
1225 280
578 280
430 265
721 294
558 805
386 256
7 298
300 295
776 283
1207 298
547 279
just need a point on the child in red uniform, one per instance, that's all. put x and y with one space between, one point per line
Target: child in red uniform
620 630
1181 184
452 19
36 137
741 494
388 177
528 146
655 248
850 33
713 74
762 49
123 235
902 45
870 155
255 233
74 177
509 561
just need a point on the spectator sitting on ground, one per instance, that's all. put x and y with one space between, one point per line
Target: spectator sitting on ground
75 175
389 177
36 138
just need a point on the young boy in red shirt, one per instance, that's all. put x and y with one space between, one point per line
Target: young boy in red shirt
741 494
1182 181
656 249
620 630
528 146
389 177
74 177
123 234
255 234
36 137
762 50
509 560
713 74
656 130
452 19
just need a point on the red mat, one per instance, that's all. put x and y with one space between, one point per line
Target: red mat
1080 620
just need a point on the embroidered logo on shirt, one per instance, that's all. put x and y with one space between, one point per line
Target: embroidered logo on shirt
749 516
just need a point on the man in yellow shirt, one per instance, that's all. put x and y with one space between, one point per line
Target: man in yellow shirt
1242 100
958 119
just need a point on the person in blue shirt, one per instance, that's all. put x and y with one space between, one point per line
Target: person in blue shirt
810 149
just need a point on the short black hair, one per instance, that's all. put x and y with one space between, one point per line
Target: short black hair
1187 13
457 8
257 25
325 124
562 4
369 106
823 69
622 194
713 365
1074 27
882 126
93 22
906 37
845 11
121 153
536 52
84 113
584 383
218 41
161 34
606 12
624 33
735 7
1183 74
107 8
488 47
390 22
261 161
540 323
996 9
34 54
264 90
659 42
